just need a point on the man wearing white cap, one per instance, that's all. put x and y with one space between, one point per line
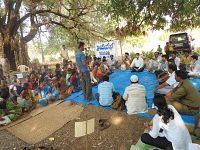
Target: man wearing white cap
135 97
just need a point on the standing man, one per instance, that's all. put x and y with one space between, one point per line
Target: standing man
5 66
82 65
159 49
64 55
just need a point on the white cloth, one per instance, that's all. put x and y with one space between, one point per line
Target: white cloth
23 68
135 99
172 81
196 69
64 54
175 131
177 62
153 63
105 90
163 66
137 63
5 66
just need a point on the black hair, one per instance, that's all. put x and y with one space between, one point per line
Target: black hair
164 56
25 85
81 44
127 53
57 65
104 60
182 74
187 51
137 54
73 71
172 67
175 52
105 78
4 94
162 108
194 57
171 60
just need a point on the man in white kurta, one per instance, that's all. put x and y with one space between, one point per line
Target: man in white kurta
135 96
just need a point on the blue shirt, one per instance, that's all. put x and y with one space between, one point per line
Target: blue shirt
105 91
80 57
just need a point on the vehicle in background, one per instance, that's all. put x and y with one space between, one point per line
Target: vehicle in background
182 41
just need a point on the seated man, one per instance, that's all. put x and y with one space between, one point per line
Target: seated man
195 67
127 60
185 97
185 60
137 64
154 63
162 67
113 63
134 96
168 85
105 92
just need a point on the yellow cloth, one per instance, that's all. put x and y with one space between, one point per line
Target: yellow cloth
186 60
171 47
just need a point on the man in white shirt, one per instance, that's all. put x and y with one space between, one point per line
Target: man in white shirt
137 64
135 97
5 66
176 59
105 92
195 67
112 62
168 85
154 63
64 55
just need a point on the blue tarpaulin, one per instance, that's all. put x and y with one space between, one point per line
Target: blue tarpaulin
121 79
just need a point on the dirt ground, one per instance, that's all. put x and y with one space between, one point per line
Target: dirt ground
124 131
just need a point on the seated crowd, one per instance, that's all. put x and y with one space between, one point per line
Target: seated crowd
175 90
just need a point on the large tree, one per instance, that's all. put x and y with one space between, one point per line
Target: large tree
141 15
30 15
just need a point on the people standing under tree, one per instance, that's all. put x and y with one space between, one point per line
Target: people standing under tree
5 66
167 50
85 74
159 49
64 55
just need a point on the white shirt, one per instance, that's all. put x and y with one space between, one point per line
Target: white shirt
135 99
175 131
196 66
172 81
163 66
137 63
64 54
22 68
177 62
105 90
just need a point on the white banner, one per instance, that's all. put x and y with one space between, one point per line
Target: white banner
106 49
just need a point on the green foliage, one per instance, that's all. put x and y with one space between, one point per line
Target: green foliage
132 55
154 15
137 41
197 50
36 61
165 36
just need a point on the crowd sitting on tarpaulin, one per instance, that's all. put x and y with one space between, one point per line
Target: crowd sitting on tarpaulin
174 94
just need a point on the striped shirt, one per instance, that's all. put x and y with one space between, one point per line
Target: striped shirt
105 91
135 99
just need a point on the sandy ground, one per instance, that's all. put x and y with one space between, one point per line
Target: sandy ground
124 131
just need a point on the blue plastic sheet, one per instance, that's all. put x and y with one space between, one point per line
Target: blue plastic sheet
121 79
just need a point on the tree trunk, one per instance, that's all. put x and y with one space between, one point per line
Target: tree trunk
9 54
